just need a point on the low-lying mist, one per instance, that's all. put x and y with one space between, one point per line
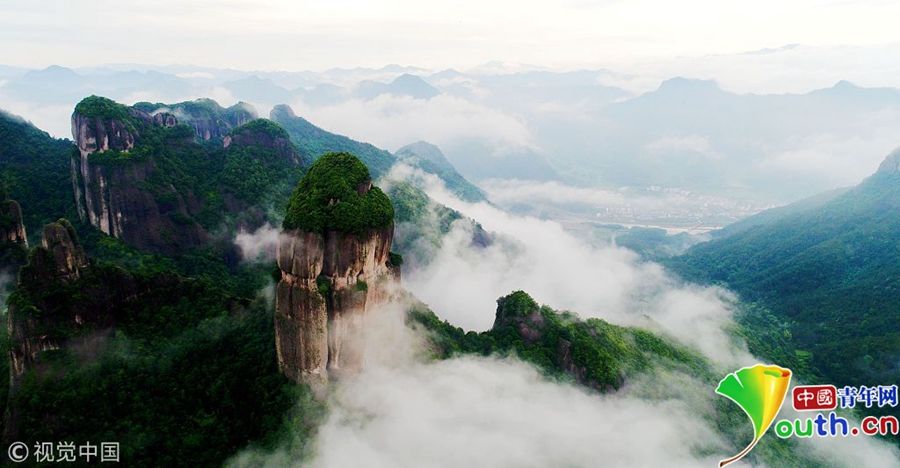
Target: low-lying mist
463 281
407 410
404 410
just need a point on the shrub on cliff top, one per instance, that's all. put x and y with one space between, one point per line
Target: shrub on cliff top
328 198
98 106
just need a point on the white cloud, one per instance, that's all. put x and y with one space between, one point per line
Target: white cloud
260 243
836 160
487 412
393 121
402 411
563 271
677 144
51 118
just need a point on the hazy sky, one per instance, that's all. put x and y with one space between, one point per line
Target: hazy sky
295 35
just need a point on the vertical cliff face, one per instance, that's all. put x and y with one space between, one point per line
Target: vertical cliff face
98 129
121 192
58 260
336 266
146 175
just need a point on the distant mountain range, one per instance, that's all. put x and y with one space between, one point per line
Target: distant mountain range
573 126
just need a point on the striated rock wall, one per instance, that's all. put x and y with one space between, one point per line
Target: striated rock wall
114 198
328 284
134 181
13 240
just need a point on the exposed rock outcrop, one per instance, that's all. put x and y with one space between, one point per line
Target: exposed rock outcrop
13 241
206 117
122 194
12 228
59 260
331 277
519 314
141 175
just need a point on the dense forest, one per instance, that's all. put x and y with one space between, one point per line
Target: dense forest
822 279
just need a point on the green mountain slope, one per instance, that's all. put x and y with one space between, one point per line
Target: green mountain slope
829 269
430 159
34 170
313 142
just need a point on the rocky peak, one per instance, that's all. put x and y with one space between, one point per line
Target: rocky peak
514 308
12 228
336 266
520 312
61 255
206 117
282 111
101 124
59 260
120 193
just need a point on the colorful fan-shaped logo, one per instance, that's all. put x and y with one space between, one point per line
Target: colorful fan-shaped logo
759 391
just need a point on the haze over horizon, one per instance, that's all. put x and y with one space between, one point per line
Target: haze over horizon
767 47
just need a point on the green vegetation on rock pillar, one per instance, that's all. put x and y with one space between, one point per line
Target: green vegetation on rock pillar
336 266
100 107
337 194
